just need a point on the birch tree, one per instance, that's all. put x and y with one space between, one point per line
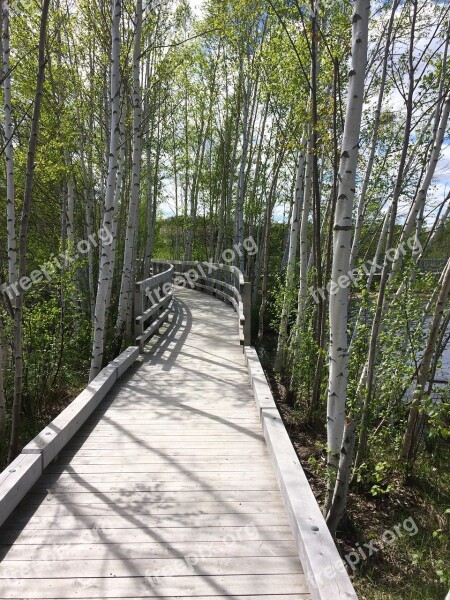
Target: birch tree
9 149
339 295
23 235
123 325
291 261
108 205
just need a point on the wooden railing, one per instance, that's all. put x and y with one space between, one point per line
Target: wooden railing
152 303
223 281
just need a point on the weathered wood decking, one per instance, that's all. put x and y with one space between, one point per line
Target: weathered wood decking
167 491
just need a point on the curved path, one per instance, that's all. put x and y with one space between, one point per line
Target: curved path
167 491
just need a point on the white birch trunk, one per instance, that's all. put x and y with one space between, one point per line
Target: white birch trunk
70 206
338 309
303 282
117 193
372 271
23 237
9 150
239 239
376 126
419 200
149 194
292 255
87 195
108 212
3 354
123 324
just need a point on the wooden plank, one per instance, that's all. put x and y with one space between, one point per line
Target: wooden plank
143 587
123 362
320 558
134 468
152 282
155 483
154 534
34 552
247 443
17 479
224 434
57 478
155 508
128 520
173 462
229 455
141 319
177 496
166 567
89 444
150 331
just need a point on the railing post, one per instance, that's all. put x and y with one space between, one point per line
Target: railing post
246 295
138 309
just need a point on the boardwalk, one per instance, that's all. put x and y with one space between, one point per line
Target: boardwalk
167 490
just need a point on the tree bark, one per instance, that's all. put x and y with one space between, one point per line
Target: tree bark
125 310
422 377
380 308
292 255
339 295
9 150
373 145
23 237
108 205
340 494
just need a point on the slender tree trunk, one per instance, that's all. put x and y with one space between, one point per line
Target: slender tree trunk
339 501
303 278
3 348
437 227
108 206
338 351
239 238
369 369
373 268
23 237
373 145
125 310
267 227
292 255
9 150
419 200
409 439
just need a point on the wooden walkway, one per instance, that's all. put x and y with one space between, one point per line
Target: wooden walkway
167 491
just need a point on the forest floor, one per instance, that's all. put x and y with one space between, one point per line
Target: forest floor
414 567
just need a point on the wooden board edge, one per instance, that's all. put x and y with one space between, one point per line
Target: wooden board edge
18 478
323 566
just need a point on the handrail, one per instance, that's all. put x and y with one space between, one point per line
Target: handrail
228 283
152 303
20 475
